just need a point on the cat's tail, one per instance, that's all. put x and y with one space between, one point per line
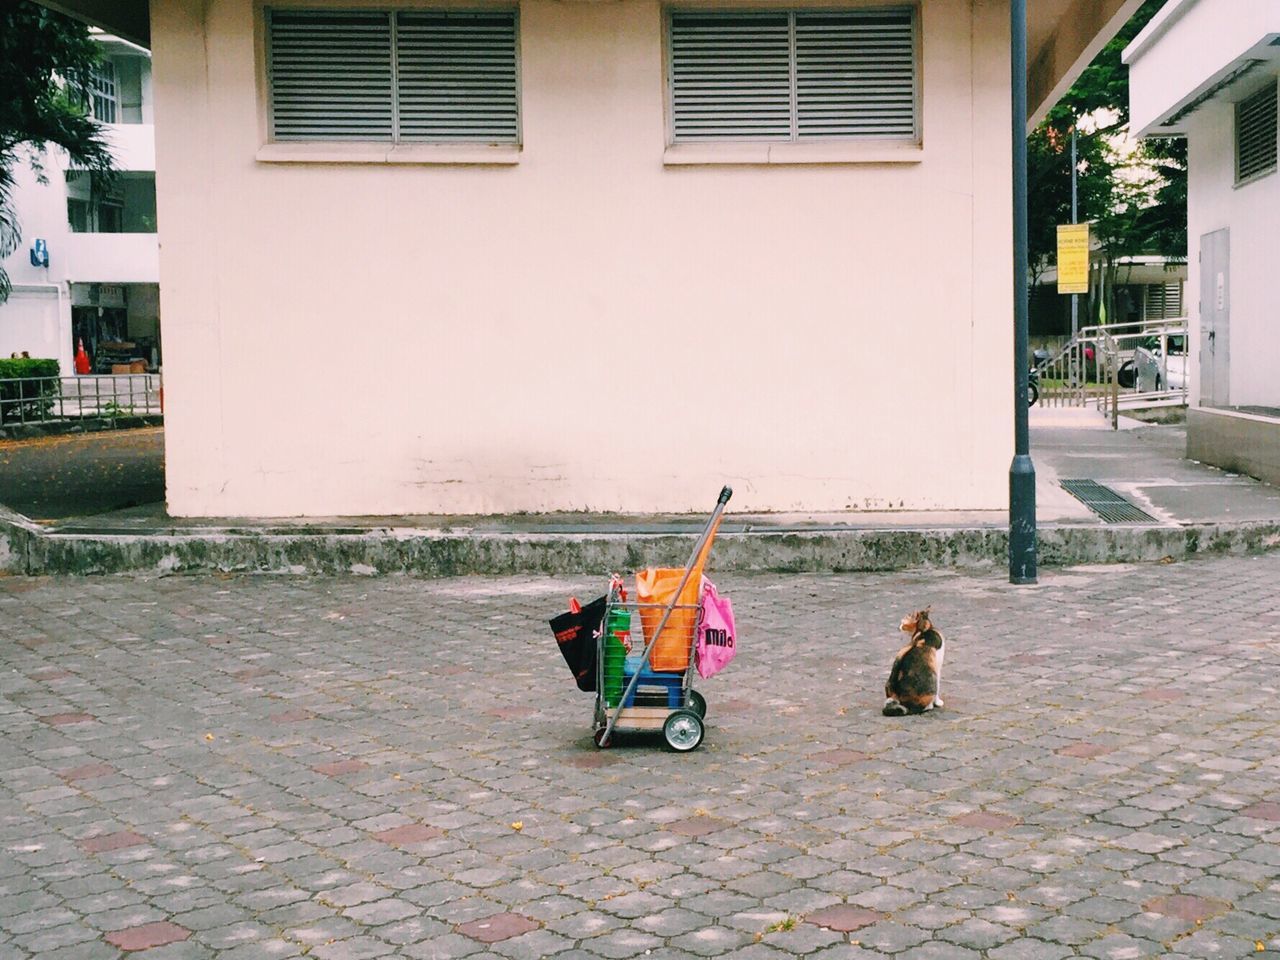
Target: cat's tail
892 708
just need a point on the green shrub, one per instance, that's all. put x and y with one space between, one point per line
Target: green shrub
24 396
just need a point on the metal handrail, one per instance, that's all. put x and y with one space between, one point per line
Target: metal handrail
40 400
1081 386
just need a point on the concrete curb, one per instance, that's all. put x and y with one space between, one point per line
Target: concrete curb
27 548
32 431
16 536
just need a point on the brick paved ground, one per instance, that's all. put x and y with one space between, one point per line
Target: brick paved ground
350 768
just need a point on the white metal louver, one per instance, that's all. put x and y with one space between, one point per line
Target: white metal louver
412 76
855 74
1164 300
331 75
793 75
731 76
1256 133
456 76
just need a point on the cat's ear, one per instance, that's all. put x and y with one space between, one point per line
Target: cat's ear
922 618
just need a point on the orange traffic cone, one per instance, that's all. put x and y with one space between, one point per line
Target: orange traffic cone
82 358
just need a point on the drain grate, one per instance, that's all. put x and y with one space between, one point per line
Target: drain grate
1105 502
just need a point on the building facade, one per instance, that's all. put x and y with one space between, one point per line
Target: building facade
425 256
101 282
1208 70
1145 287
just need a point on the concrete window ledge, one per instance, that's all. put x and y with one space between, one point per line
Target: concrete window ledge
419 153
704 154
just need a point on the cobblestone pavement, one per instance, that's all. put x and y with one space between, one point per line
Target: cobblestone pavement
354 768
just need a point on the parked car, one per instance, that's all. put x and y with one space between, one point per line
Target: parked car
1153 371
1175 363
1127 375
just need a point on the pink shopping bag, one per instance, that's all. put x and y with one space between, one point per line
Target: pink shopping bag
717 635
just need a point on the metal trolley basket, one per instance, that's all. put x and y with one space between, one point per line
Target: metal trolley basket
630 694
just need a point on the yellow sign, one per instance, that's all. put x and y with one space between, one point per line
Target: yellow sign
1073 258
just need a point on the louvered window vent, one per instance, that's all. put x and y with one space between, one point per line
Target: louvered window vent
1164 300
389 77
1256 134
793 75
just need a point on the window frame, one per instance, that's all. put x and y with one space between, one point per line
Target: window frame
79 215
1271 89
104 212
328 150
108 216
795 142
104 88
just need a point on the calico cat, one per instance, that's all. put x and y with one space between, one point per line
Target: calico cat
915 682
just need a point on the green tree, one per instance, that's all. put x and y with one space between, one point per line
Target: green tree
1166 219
1049 187
1136 200
45 64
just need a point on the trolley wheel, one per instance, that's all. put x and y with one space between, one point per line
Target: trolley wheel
601 742
698 704
683 731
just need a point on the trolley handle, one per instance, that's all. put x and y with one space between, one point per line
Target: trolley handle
725 493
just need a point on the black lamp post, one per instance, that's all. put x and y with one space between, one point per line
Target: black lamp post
1022 472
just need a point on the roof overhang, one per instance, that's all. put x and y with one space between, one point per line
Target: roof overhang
1062 36
1189 56
128 19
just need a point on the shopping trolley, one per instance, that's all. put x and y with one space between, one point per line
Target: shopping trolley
648 685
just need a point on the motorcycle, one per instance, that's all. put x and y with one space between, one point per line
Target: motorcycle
1033 376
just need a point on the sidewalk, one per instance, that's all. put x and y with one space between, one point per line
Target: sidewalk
248 768
1191 508
1143 463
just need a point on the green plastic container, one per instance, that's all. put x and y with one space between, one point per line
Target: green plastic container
617 633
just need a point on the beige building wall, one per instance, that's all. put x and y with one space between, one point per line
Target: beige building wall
596 326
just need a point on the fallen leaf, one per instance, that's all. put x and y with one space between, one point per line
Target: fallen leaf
208 736
516 825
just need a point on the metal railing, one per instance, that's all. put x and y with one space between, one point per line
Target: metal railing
40 400
1109 362
1118 366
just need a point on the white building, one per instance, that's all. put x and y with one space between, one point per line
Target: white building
1146 287
1208 70
423 256
101 282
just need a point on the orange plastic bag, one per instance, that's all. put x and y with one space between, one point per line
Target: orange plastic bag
657 585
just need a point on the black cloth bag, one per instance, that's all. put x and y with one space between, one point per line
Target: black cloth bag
577 635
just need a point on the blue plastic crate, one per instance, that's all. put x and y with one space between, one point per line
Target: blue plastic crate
672 683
